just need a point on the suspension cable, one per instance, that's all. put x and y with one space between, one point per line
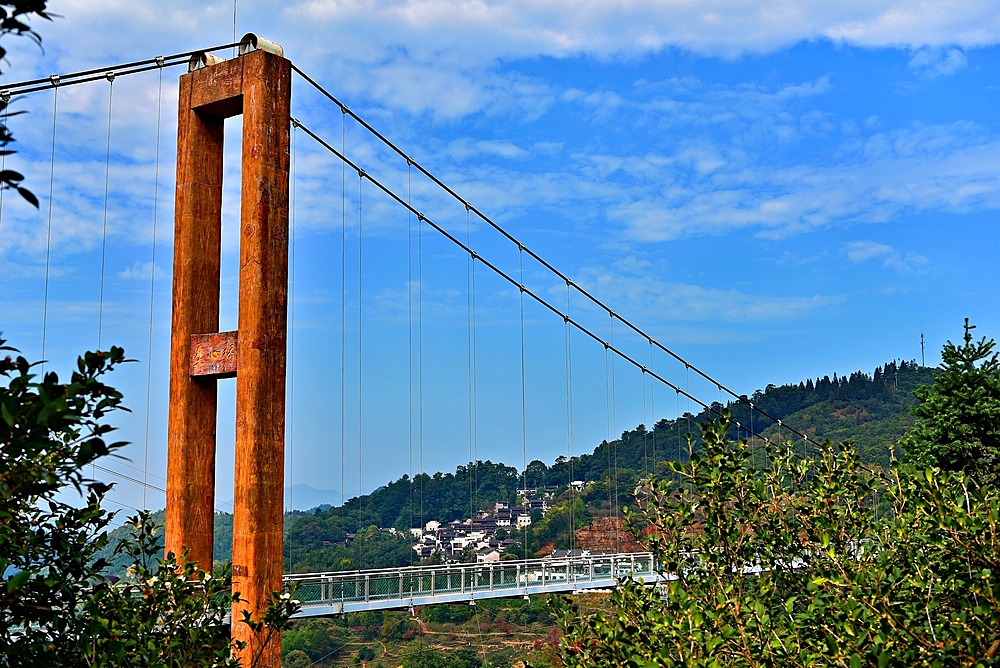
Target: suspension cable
597 302
96 74
515 283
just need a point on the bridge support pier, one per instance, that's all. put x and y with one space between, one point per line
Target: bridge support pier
258 85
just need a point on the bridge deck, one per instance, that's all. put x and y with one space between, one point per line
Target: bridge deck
356 591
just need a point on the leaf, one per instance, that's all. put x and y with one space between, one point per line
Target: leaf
28 196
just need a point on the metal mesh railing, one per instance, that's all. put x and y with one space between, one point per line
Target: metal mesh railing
429 582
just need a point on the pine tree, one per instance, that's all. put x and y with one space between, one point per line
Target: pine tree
958 417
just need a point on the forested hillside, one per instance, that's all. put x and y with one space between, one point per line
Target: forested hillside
871 409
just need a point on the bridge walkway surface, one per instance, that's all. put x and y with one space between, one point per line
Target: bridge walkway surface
335 593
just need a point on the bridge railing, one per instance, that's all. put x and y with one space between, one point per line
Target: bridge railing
417 585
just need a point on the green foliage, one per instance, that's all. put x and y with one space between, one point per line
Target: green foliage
49 431
296 659
163 613
371 549
958 417
318 639
56 609
789 566
420 655
449 613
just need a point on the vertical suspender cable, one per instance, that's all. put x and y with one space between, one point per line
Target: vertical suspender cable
409 336
48 236
524 418
475 381
687 377
420 358
677 423
615 440
645 435
472 461
104 234
361 342
343 303
104 243
234 28
652 406
3 154
569 419
607 441
152 282
291 349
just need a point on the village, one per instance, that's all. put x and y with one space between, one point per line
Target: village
490 534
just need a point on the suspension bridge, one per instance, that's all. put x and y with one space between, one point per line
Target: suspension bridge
401 229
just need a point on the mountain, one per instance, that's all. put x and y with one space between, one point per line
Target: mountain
306 497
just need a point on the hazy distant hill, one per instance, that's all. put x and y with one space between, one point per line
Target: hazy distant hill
306 497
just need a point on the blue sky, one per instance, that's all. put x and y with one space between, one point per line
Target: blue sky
774 192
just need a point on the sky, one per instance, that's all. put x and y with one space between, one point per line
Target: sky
774 191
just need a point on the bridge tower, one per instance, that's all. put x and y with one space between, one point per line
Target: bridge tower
258 85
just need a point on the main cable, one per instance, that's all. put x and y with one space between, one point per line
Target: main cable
597 302
96 74
513 281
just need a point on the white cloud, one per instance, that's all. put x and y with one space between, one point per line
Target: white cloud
633 287
518 28
932 62
139 271
863 251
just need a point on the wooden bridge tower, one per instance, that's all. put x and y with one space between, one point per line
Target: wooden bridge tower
258 85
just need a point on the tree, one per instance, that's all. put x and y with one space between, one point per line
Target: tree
958 417
804 563
56 607
49 432
165 612
13 20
